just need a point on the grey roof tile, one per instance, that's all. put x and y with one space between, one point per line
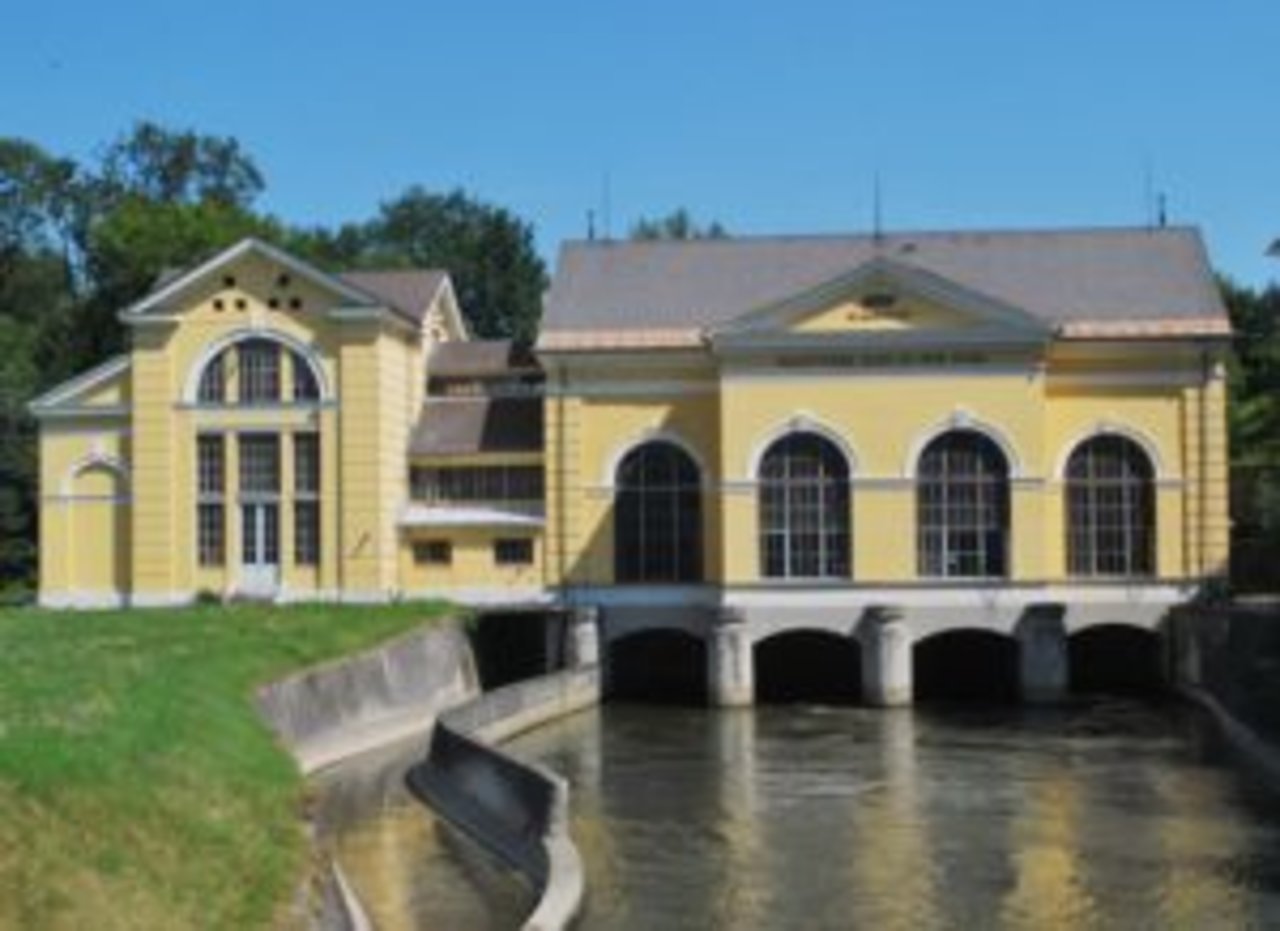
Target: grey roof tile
1060 276
406 291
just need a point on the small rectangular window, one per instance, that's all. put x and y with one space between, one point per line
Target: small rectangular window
515 552
210 535
433 553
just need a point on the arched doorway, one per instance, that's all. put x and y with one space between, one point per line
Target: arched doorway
1116 659
966 666
666 666
99 524
812 666
657 535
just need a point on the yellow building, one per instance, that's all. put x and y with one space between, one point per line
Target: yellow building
782 430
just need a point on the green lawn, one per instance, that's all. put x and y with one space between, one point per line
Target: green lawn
138 788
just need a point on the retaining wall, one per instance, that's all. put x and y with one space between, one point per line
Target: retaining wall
516 809
1227 659
336 710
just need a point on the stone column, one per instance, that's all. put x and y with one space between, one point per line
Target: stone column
1042 653
731 671
584 642
886 657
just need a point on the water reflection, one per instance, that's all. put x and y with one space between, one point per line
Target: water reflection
1100 815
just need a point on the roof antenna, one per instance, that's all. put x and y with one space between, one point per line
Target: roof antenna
606 206
877 212
1162 210
1148 196
591 226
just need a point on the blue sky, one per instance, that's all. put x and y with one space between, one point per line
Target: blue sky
770 117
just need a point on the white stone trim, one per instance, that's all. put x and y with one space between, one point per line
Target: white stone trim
963 419
412 516
801 422
1114 427
191 388
652 434
137 310
96 458
83 600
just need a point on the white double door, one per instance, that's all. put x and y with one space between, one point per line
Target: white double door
260 548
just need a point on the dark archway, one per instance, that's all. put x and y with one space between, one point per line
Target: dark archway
665 666
1116 659
811 666
966 665
509 646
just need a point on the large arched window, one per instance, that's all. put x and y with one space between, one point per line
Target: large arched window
1110 508
658 518
962 507
260 376
804 509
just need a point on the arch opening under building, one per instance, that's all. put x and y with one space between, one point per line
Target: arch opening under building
661 666
1115 659
966 666
810 666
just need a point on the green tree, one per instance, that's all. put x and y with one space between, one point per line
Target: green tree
677 225
487 250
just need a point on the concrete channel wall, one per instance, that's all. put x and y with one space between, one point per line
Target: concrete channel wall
518 810
1226 658
336 710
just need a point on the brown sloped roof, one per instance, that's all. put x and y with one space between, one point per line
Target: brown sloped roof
408 292
464 426
491 358
1060 276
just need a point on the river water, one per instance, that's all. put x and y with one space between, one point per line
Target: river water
1102 814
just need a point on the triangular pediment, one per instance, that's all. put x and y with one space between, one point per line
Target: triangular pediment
883 301
179 291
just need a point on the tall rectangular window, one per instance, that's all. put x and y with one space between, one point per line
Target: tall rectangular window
260 465
306 501
210 497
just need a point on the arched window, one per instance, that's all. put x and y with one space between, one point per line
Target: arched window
304 380
658 516
1110 508
962 507
804 509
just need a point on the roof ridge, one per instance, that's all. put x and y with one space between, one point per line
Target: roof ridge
907 234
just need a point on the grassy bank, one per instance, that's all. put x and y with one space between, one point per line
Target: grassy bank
138 788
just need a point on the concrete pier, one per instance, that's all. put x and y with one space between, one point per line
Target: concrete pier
886 657
1042 653
732 664
584 643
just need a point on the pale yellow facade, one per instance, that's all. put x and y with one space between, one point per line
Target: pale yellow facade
120 499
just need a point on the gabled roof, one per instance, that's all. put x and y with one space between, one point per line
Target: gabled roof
63 398
1062 277
407 293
